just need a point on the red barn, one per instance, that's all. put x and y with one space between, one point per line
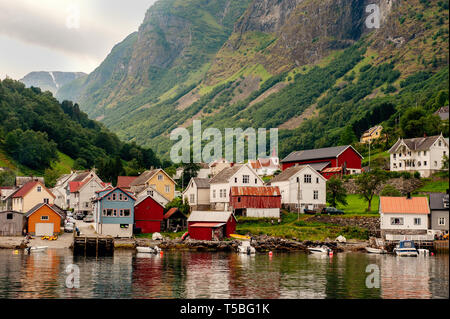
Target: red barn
211 225
256 201
328 161
148 215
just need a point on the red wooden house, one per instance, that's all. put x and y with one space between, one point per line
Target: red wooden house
330 161
148 215
256 201
211 225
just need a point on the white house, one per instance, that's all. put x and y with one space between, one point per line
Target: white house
145 191
83 193
421 154
62 189
203 172
218 165
266 166
197 194
404 216
301 185
237 175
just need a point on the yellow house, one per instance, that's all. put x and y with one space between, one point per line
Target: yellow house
371 134
157 179
28 196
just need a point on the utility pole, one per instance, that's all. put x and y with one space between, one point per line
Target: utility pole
298 198
369 153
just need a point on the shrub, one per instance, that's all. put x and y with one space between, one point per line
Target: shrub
390 190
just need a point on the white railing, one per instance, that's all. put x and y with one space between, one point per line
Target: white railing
427 237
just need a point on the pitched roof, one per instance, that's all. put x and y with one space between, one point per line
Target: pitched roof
212 225
210 216
320 153
21 192
22 180
287 174
416 144
319 166
125 181
224 175
255 191
202 182
38 206
107 192
371 130
171 212
437 201
144 177
143 198
81 176
403 205
75 186
443 112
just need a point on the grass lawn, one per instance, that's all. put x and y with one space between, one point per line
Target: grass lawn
171 235
357 206
439 186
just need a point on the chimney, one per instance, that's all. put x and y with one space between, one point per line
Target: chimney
408 195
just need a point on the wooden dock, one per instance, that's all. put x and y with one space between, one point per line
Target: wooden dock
93 245
441 246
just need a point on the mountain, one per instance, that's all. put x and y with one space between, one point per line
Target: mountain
311 68
50 81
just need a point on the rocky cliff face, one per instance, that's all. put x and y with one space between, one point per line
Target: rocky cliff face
50 81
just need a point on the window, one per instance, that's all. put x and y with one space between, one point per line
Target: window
126 212
419 163
435 163
10 216
441 221
245 179
399 164
424 163
46 200
120 196
239 199
115 212
316 194
419 153
256 181
160 177
191 198
307 178
396 221
167 188
424 153
298 179
317 180
44 218
150 193
417 221
395 156
86 204
440 143
39 189
235 179
114 196
214 193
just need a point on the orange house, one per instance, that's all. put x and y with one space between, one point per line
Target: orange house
43 220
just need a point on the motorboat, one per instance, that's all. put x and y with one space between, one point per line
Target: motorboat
146 250
372 250
406 248
246 248
36 249
319 250
423 252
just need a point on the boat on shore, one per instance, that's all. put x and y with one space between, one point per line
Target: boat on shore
372 250
406 248
319 250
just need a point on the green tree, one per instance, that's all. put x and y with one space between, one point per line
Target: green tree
348 136
7 178
367 184
391 191
336 192
178 203
189 170
50 176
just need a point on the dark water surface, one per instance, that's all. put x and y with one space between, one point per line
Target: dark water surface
222 275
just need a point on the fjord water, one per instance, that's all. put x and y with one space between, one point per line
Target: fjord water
222 275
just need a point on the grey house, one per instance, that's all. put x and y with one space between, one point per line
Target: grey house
11 223
439 205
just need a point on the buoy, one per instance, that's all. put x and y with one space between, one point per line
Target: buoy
16 252
432 254
331 253
270 253
161 253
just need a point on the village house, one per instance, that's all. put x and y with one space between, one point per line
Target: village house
81 179
44 220
371 134
439 205
218 165
11 223
174 220
255 201
5 191
220 185
157 179
203 172
28 196
301 185
330 161
421 154
148 215
266 166
442 113
22 180
124 182
212 225
144 191
82 194
197 194
405 216
114 213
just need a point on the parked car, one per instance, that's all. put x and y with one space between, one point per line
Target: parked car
70 220
88 219
79 216
332 211
69 227
309 211
69 214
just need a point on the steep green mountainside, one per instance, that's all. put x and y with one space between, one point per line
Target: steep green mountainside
311 68
38 135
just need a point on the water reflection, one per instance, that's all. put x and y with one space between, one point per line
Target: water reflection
221 275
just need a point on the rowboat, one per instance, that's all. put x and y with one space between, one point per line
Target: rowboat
242 237
319 250
146 250
246 248
406 248
372 250
36 249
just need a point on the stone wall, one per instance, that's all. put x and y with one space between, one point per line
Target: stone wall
403 185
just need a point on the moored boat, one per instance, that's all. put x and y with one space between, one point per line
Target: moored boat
406 248
373 250
319 250
36 249
146 250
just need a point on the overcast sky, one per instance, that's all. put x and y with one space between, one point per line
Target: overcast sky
63 35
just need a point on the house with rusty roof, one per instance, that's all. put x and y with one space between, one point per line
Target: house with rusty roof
29 195
174 220
255 201
220 185
197 194
157 179
420 154
124 182
329 161
405 216
301 187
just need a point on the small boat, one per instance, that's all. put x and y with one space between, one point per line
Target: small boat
406 248
319 250
237 236
146 250
372 250
246 248
36 249
424 252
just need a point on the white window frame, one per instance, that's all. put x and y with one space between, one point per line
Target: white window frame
167 188
441 221
315 194
46 217
160 177
400 219
307 179
245 179
417 221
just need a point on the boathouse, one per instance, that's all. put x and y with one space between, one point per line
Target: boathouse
148 215
256 201
43 220
11 223
211 225
174 219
